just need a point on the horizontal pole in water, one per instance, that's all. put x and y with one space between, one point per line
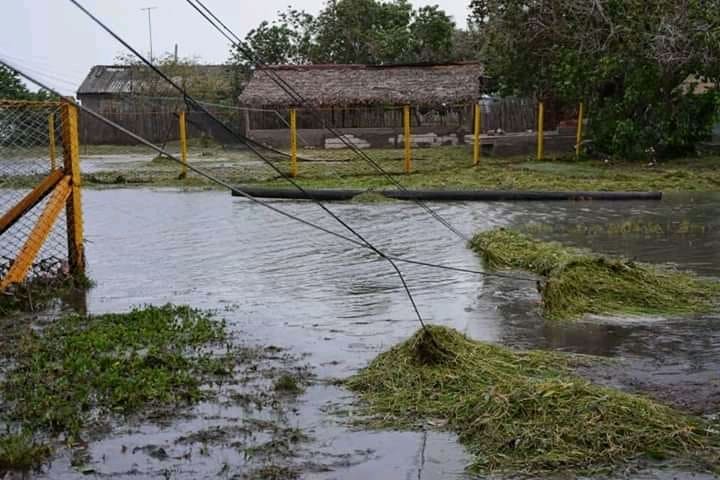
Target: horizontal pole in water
447 195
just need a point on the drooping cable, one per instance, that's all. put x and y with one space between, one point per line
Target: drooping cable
191 102
224 30
249 197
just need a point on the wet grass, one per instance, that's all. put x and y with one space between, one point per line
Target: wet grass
273 472
19 451
451 167
446 167
577 282
40 292
287 383
522 412
81 368
371 197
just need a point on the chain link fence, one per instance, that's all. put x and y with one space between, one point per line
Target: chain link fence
36 156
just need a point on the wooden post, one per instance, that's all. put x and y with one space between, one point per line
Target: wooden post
477 146
541 131
293 143
408 140
183 143
51 139
71 160
581 119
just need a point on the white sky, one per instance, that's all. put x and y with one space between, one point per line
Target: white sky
54 41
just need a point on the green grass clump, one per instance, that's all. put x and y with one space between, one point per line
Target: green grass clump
579 282
287 383
521 411
371 197
89 366
19 451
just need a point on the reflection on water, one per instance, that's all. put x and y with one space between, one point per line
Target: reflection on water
285 284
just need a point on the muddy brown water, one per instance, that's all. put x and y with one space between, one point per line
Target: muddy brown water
283 284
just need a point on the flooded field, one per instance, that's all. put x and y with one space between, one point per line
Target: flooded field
333 307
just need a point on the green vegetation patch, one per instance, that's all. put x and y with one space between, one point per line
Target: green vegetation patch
371 197
84 367
41 292
521 411
579 282
19 451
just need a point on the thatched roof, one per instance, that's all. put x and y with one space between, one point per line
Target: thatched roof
126 79
344 85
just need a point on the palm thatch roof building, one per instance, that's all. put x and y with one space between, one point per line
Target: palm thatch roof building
366 99
367 85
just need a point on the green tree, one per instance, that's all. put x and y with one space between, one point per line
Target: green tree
432 32
12 87
354 31
629 59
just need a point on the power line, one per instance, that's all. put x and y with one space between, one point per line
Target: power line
191 102
296 96
255 200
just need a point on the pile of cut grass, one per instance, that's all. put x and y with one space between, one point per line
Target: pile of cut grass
521 411
84 367
579 282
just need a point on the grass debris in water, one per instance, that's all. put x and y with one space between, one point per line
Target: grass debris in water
579 282
81 367
521 411
19 451
371 197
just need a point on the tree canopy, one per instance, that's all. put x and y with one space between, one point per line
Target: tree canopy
631 60
12 88
357 31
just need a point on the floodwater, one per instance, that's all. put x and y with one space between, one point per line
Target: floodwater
281 283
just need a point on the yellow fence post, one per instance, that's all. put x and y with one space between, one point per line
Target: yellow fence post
51 139
581 118
541 131
407 137
477 147
71 160
183 143
293 143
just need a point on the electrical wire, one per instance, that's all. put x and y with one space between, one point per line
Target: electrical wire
249 197
224 30
192 103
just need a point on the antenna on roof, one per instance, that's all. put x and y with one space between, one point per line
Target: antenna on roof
149 12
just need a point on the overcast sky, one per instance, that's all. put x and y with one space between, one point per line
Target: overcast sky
56 42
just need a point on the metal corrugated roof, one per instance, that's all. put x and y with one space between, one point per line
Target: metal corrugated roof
119 79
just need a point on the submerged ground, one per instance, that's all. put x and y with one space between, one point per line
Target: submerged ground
335 308
446 167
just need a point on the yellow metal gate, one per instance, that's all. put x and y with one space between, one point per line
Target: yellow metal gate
41 230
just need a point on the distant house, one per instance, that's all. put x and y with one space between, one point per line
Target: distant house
365 101
141 101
